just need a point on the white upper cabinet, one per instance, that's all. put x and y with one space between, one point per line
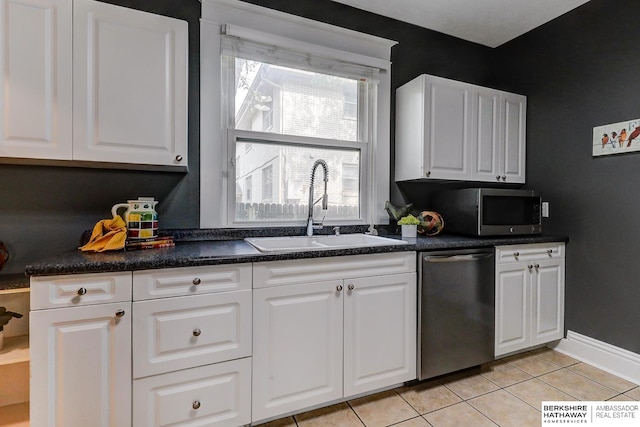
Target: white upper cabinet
35 68
452 130
88 81
130 86
433 129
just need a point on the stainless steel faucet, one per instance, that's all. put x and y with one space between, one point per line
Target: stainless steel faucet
325 199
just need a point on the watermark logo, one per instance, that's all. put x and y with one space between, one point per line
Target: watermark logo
592 413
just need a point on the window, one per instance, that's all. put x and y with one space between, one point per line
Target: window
309 107
286 92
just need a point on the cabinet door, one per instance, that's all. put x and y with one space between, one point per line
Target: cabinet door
513 137
81 366
35 79
177 333
512 308
486 125
297 347
547 321
217 395
130 86
448 128
379 332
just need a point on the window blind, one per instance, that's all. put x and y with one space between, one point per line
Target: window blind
235 43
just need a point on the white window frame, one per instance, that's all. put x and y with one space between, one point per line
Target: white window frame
297 34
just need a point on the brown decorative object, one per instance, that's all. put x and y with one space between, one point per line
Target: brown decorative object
431 223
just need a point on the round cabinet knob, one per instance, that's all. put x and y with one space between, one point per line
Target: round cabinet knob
196 281
82 291
178 158
339 288
428 174
120 313
530 267
550 251
196 332
196 404
351 287
537 266
516 254
498 178
504 178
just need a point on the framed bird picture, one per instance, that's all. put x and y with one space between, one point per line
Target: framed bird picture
616 138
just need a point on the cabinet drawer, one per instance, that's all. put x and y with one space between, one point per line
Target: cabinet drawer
79 289
184 332
538 251
213 395
291 272
173 282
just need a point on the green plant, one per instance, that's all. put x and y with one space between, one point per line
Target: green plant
409 220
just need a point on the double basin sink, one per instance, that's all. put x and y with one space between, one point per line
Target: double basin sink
315 243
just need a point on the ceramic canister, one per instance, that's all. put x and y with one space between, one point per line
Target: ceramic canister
141 218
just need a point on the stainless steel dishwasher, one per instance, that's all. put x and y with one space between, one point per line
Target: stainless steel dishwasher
456 315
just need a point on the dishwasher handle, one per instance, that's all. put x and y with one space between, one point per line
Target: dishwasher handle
458 258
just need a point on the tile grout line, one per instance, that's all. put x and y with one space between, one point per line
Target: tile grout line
356 414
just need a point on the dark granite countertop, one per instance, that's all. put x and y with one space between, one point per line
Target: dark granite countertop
190 253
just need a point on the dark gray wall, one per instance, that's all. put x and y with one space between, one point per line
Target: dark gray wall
581 71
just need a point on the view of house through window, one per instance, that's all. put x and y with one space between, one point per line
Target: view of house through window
319 114
289 101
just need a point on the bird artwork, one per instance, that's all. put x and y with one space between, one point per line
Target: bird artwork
616 138
634 135
623 137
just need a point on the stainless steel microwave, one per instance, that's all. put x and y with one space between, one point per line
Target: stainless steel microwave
490 211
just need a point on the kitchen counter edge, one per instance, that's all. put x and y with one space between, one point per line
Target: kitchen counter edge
202 253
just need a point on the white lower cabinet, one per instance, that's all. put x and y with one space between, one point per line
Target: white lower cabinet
529 296
198 346
186 356
320 341
81 366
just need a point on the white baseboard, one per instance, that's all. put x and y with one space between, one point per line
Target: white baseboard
615 360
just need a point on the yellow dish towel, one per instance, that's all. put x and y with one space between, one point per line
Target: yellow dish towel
107 235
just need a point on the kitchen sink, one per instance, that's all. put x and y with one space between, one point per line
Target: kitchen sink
315 243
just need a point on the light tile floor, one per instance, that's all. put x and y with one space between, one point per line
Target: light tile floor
504 393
